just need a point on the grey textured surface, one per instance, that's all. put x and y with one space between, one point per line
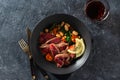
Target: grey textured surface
15 15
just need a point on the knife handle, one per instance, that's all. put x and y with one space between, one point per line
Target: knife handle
32 69
44 73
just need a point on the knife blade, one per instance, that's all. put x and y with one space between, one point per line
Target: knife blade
29 33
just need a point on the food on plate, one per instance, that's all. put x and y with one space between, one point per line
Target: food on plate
61 44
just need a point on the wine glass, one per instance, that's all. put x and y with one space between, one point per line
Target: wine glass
97 10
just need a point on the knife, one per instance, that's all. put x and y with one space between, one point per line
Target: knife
32 63
28 31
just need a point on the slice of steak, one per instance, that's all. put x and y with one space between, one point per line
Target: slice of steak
62 59
62 46
44 45
54 50
59 61
72 56
45 50
54 40
45 36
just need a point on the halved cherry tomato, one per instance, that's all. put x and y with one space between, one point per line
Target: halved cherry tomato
55 31
48 57
73 38
64 39
72 47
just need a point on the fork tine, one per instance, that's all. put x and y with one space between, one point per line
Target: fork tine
20 43
24 42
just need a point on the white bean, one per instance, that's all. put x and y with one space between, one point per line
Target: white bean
66 27
75 33
61 33
58 35
46 30
62 24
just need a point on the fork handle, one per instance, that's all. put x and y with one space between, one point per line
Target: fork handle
29 54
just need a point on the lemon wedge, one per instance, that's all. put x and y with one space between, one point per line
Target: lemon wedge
79 47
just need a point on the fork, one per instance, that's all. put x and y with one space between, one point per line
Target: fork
25 47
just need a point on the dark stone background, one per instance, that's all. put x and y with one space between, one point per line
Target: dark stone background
15 15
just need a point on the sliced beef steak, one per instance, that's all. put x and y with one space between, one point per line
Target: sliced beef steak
45 50
62 46
54 40
54 50
44 37
62 59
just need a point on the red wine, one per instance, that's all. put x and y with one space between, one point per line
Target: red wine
95 10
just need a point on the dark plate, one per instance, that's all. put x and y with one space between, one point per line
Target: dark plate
51 67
